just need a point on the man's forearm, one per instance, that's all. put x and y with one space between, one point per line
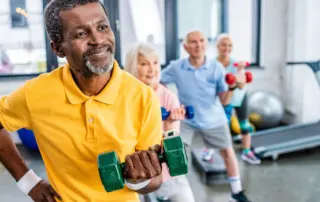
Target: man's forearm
226 97
10 157
152 186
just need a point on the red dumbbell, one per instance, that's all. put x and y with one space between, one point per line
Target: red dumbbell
237 64
230 79
249 77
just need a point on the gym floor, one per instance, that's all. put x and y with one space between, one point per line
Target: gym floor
293 177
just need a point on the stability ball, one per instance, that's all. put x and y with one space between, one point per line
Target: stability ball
27 138
265 109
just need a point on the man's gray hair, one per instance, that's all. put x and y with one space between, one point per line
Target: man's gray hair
53 24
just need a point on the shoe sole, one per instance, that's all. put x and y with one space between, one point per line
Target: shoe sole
233 200
249 160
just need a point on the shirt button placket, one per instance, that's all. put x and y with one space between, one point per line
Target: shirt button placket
90 122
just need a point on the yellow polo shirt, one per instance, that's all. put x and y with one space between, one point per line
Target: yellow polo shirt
72 129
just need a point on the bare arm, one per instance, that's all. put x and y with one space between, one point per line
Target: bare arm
225 97
10 157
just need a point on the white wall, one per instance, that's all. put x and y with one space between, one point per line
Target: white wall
273 46
302 90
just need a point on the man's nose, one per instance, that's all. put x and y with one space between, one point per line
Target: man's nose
96 38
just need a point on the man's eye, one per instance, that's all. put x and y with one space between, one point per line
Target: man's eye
103 27
81 34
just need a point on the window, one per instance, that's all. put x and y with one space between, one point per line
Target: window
19 14
203 16
142 21
22 51
243 29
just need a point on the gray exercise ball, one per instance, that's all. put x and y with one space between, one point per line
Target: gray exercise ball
265 109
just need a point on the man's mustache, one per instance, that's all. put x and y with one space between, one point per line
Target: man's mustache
97 50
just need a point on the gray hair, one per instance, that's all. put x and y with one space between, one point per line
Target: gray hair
131 63
221 37
53 24
192 31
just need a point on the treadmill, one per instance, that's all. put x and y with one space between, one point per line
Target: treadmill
286 139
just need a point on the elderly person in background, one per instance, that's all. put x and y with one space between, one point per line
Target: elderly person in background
239 97
201 83
142 61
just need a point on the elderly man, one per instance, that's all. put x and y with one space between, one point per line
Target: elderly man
81 109
201 83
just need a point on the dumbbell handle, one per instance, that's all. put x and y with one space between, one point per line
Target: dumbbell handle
247 64
160 156
189 113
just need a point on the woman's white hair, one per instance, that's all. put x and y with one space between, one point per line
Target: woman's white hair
141 48
223 36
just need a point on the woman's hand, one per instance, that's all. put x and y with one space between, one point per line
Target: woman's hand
241 65
176 114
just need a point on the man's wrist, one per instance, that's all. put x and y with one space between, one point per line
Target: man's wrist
28 181
137 186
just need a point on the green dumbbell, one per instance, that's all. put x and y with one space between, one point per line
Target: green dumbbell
111 170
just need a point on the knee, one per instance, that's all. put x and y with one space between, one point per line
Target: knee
245 127
227 154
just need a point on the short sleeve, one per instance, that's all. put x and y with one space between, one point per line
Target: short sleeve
151 129
168 74
14 112
222 86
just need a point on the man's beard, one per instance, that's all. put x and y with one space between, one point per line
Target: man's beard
94 69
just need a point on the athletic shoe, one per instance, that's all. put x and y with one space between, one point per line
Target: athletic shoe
163 199
207 154
239 197
250 158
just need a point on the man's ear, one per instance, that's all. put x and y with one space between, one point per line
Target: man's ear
57 49
185 46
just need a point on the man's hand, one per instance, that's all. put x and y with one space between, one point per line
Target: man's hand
43 192
143 165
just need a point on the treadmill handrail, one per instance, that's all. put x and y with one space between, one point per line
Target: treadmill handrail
283 128
298 141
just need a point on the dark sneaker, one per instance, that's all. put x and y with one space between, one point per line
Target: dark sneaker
239 197
250 158
163 199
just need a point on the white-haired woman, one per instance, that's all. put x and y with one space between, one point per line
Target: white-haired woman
239 98
142 61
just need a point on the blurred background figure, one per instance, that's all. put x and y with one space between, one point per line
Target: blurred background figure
142 61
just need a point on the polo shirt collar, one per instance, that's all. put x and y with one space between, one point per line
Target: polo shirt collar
108 95
187 65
